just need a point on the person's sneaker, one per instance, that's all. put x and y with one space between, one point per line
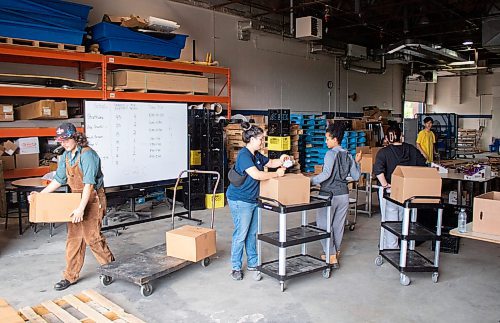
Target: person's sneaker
62 285
237 275
252 269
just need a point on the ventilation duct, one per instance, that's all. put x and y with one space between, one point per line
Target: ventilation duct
347 64
427 52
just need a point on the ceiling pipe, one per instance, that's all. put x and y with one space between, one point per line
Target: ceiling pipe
292 22
346 63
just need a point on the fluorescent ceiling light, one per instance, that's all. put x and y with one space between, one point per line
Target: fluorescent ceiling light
462 63
467 43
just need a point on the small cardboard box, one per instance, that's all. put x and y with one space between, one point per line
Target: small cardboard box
486 218
6 112
53 207
28 145
27 160
288 190
9 162
43 109
409 181
369 155
60 110
191 243
318 169
358 124
7 117
259 119
9 147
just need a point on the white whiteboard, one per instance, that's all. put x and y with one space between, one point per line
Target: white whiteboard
138 142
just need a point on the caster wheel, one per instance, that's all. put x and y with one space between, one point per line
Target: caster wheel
327 273
105 280
379 261
282 286
435 277
146 290
257 276
205 262
352 227
404 280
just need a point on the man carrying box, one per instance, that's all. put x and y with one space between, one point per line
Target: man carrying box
80 168
388 158
338 165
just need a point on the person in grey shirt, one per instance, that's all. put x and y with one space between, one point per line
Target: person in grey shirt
338 165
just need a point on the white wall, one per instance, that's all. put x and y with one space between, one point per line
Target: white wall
460 95
267 71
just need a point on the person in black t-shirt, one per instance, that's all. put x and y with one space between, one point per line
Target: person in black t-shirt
388 158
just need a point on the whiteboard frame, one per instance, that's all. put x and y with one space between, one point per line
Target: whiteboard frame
161 181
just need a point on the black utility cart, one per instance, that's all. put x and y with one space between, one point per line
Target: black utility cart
406 259
285 268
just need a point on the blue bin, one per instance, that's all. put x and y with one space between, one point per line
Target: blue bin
104 30
361 139
361 134
34 7
112 44
40 32
71 8
42 19
352 140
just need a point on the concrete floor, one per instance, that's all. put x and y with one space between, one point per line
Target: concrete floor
468 289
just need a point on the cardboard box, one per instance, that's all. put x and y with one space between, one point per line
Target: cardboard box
358 124
9 147
43 109
486 218
369 158
288 190
28 145
156 81
6 112
53 207
8 162
6 117
8 313
27 160
318 169
409 181
60 110
191 243
261 120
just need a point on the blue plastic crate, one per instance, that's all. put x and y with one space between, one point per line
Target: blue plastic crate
104 31
111 45
361 139
72 8
47 33
352 140
34 7
42 19
349 134
361 134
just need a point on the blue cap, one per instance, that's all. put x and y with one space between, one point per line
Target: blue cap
65 131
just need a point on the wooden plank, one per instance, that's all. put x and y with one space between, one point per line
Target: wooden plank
104 302
86 309
9 314
31 315
475 235
59 312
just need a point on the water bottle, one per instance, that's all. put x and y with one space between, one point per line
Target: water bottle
462 221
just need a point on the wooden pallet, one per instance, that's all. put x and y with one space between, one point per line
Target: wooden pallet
88 307
41 44
143 56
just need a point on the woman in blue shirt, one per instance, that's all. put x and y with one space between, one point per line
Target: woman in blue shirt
243 199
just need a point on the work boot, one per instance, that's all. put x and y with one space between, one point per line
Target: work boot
333 260
237 275
63 284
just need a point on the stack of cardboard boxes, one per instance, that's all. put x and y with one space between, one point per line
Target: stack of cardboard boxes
23 153
295 133
234 137
43 109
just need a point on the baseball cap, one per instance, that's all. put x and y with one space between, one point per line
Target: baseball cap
65 131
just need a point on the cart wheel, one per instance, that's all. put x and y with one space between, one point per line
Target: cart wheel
257 276
352 227
435 277
105 280
379 261
282 286
404 280
327 273
205 262
146 290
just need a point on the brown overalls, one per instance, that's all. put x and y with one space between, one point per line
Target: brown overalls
87 232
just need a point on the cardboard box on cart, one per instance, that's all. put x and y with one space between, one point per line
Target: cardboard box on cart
191 243
288 190
409 181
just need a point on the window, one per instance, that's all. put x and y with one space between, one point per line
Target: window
412 108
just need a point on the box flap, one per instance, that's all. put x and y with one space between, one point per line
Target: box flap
416 172
190 231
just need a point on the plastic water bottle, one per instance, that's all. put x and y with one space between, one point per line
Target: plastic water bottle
462 221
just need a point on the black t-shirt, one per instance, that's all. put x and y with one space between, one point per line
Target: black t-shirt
390 157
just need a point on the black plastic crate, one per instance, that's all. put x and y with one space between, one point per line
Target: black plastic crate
449 244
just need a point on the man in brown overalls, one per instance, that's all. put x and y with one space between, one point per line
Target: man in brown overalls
80 168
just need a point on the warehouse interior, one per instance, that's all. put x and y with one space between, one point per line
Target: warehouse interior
162 90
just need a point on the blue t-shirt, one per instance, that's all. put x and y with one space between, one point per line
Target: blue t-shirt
89 164
249 191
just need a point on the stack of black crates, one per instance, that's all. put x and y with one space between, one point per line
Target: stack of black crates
207 152
278 133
